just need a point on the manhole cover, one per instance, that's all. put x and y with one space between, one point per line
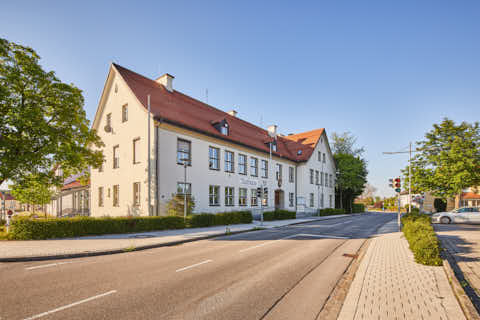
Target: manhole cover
142 236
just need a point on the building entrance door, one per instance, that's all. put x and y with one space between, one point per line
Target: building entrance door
279 199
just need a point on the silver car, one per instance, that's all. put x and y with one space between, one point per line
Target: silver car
460 215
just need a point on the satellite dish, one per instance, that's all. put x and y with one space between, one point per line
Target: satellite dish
107 128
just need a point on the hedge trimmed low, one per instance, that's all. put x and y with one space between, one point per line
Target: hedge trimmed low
39 229
422 239
358 208
219 219
330 211
279 215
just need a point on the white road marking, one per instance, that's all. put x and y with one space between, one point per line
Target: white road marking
70 305
48 265
292 236
320 236
193 265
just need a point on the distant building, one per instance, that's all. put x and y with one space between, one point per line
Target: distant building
470 197
10 202
72 199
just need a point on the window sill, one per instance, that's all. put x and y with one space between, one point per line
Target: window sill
181 164
214 169
214 205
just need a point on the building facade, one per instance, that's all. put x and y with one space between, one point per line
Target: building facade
218 158
72 199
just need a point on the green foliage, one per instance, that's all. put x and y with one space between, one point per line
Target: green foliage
38 229
176 204
32 191
219 219
448 160
440 205
331 211
414 209
422 239
279 214
358 207
351 178
42 121
344 143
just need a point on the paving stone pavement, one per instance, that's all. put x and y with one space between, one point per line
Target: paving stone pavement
389 284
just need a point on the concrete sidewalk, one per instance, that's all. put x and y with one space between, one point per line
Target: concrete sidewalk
116 243
389 284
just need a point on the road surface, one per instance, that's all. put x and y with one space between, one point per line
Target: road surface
283 273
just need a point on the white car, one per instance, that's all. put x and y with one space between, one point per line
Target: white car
460 215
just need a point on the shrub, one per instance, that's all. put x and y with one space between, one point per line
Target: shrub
36 229
358 207
279 214
176 204
219 219
330 211
422 239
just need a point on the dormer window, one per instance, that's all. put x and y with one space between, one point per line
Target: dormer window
274 146
224 129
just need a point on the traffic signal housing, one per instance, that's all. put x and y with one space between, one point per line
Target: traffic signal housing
397 184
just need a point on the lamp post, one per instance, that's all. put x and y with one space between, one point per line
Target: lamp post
185 164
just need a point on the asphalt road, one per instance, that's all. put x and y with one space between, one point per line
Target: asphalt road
283 273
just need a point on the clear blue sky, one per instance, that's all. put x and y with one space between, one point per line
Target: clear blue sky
383 70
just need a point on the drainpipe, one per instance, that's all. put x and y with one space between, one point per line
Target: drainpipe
157 191
296 182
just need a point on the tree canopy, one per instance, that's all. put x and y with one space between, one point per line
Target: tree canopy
42 121
448 160
345 143
32 191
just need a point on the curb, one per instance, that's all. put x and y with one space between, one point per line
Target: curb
463 299
151 246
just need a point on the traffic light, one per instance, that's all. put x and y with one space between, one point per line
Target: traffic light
390 183
397 185
265 192
259 192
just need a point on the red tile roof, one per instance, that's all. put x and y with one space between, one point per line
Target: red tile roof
470 195
181 110
73 184
8 196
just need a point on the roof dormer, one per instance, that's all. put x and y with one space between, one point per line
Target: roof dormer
222 126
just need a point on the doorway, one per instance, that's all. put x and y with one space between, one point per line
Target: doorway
279 199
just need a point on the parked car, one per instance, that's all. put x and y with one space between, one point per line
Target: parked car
460 215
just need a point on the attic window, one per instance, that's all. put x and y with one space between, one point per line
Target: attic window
224 129
274 146
116 88
299 152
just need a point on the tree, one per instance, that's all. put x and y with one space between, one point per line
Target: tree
369 191
351 178
42 121
32 191
176 204
343 143
448 160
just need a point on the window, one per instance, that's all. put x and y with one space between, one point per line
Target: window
278 172
274 146
326 179
80 200
321 178
116 157
254 167
331 181
319 156
265 197
242 164
264 169
229 161
291 174
116 195
324 158
125 113
136 194
311 200
74 200
109 120
183 188
253 198
330 201
136 148
229 196
87 199
242 196
214 158
311 176
214 195
321 200
183 152
100 169
291 197
224 129
317 178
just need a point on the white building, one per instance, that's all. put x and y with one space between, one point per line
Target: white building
228 158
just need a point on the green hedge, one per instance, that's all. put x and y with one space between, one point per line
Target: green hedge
358 207
330 211
219 219
36 229
279 215
422 239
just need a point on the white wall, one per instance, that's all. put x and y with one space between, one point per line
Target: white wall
123 135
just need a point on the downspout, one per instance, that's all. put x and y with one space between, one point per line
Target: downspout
296 182
157 141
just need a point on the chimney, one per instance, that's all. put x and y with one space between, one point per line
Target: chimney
272 130
233 113
167 81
